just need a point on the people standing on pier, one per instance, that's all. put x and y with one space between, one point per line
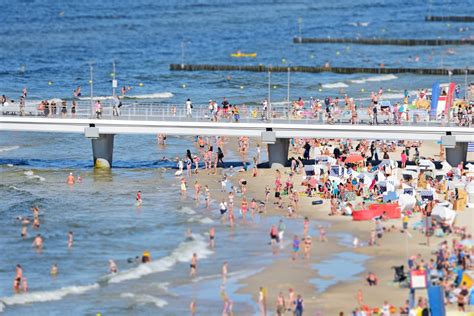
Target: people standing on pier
98 109
189 108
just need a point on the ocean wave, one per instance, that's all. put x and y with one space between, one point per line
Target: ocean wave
145 299
46 296
364 24
31 175
202 220
182 253
8 148
2 307
186 210
335 85
375 79
159 95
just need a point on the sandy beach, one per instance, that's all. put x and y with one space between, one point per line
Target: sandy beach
303 276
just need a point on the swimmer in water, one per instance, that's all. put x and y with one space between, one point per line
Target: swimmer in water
24 230
38 242
54 270
19 272
224 272
212 237
112 266
70 179
146 257
193 265
70 239
192 307
139 198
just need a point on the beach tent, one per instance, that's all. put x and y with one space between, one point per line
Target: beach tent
337 180
444 214
407 174
426 164
406 202
470 192
389 162
445 166
389 196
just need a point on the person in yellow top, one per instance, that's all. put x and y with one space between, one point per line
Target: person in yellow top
405 221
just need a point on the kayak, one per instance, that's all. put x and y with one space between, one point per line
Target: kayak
238 55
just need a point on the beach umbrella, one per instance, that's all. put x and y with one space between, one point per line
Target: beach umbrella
406 202
353 158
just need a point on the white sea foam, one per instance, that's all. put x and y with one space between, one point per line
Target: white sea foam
375 79
145 299
2 307
364 24
202 220
46 296
182 253
187 210
335 85
10 165
8 148
31 175
160 95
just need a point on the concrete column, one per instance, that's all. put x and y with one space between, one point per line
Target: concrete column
278 152
457 154
102 150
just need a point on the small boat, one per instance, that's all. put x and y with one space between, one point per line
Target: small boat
239 54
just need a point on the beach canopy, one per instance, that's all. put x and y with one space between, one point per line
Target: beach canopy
353 158
444 213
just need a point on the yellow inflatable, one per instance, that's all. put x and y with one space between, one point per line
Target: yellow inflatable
239 55
422 104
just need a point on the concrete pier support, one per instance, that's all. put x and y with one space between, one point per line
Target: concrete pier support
102 150
457 154
278 152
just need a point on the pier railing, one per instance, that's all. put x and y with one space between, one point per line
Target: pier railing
280 112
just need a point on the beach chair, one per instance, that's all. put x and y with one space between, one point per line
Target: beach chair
400 275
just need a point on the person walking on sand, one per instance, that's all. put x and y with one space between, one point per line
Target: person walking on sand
291 300
281 307
299 306
262 301
193 265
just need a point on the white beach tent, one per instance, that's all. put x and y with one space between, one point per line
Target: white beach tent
444 214
406 202
426 164
470 193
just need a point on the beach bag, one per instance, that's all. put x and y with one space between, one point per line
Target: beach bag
318 202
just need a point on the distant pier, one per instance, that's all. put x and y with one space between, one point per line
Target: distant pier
385 41
453 18
313 69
